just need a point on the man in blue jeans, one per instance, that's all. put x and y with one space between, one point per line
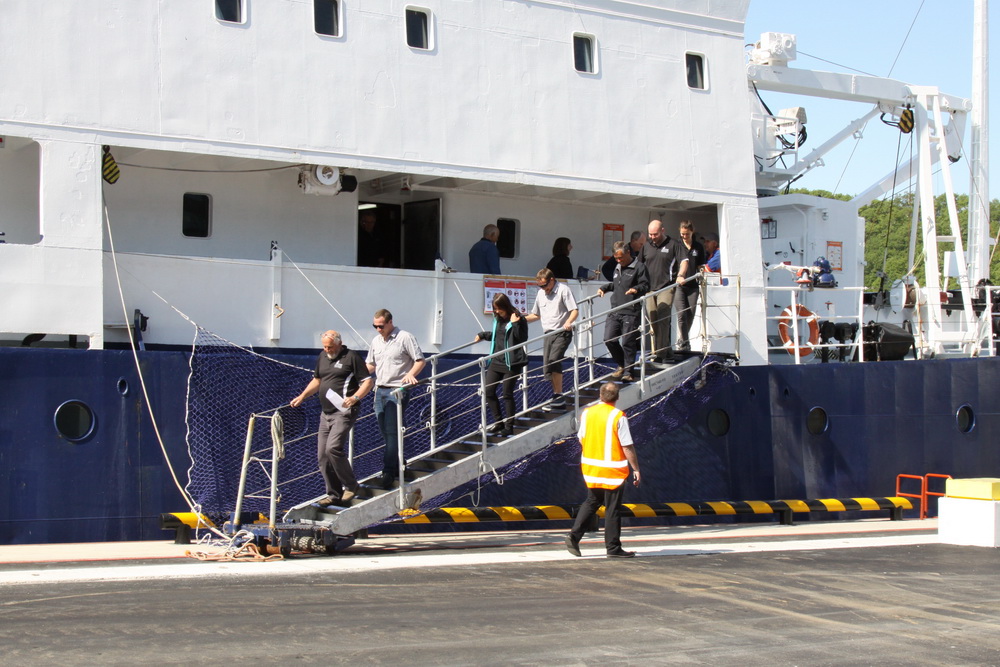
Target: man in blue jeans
396 360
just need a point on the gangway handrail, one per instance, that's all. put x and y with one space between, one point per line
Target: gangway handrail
584 345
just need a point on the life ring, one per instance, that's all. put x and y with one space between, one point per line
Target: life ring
785 330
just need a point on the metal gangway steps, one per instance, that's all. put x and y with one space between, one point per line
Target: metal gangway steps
433 461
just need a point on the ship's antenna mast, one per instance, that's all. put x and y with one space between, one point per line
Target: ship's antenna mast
979 199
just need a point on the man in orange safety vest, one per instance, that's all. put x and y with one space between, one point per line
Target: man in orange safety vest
607 455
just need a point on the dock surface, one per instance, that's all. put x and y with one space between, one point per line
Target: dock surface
870 592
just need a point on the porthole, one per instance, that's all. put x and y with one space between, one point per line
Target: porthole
122 386
74 420
718 422
817 422
965 419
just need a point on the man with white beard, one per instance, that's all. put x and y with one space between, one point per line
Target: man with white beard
342 380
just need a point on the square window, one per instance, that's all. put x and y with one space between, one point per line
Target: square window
230 11
695 71
197 215
418 28
584 53
507 243
326 17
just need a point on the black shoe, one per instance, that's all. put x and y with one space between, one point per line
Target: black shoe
555 406
507 432
621 553
495 429
573 546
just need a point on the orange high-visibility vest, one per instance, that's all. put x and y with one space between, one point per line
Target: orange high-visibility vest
603 461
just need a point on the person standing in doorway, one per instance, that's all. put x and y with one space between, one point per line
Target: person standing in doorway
694 253
713 263
484 256
607 454
371 246
560 264
556 308
342 380
664 259
396 360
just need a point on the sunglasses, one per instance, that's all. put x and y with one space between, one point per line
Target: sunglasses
379 326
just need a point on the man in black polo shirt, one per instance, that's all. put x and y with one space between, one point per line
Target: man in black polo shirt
342 380
664 257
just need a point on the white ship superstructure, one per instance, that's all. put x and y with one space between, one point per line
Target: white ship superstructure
554 117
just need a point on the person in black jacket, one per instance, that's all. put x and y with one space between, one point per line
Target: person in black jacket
509 329
629 283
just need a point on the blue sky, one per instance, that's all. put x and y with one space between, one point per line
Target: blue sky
868 36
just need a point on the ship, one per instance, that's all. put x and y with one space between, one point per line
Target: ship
188 181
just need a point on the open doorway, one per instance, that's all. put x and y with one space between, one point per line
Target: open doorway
394 236
378 235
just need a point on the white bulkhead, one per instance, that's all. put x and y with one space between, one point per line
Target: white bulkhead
491 115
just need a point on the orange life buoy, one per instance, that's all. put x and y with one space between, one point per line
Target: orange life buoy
804 348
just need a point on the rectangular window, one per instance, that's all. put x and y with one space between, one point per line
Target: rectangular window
326 17
584 53
768 228
418 28
507 243
695 71
197 215
230 11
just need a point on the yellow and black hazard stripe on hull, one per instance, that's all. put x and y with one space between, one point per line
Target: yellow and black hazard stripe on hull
184 522
784 508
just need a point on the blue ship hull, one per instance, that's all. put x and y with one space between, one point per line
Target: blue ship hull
882 419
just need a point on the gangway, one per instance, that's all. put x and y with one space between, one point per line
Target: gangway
464 461
430 468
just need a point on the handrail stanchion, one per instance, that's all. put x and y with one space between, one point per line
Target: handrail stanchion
433 418
524 385
928 493
591 359
273 506
576 374
703 300
919 496
795 328
400 435
643 328
482 401
243 474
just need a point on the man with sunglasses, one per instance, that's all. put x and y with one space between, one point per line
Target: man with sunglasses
396 360
556 308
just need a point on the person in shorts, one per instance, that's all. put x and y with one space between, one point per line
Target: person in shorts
556 308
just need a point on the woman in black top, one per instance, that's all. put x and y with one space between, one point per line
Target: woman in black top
687 295
560 265
509 329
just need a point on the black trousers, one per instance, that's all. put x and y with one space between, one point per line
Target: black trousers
612 501
624 325
508 379
687 302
